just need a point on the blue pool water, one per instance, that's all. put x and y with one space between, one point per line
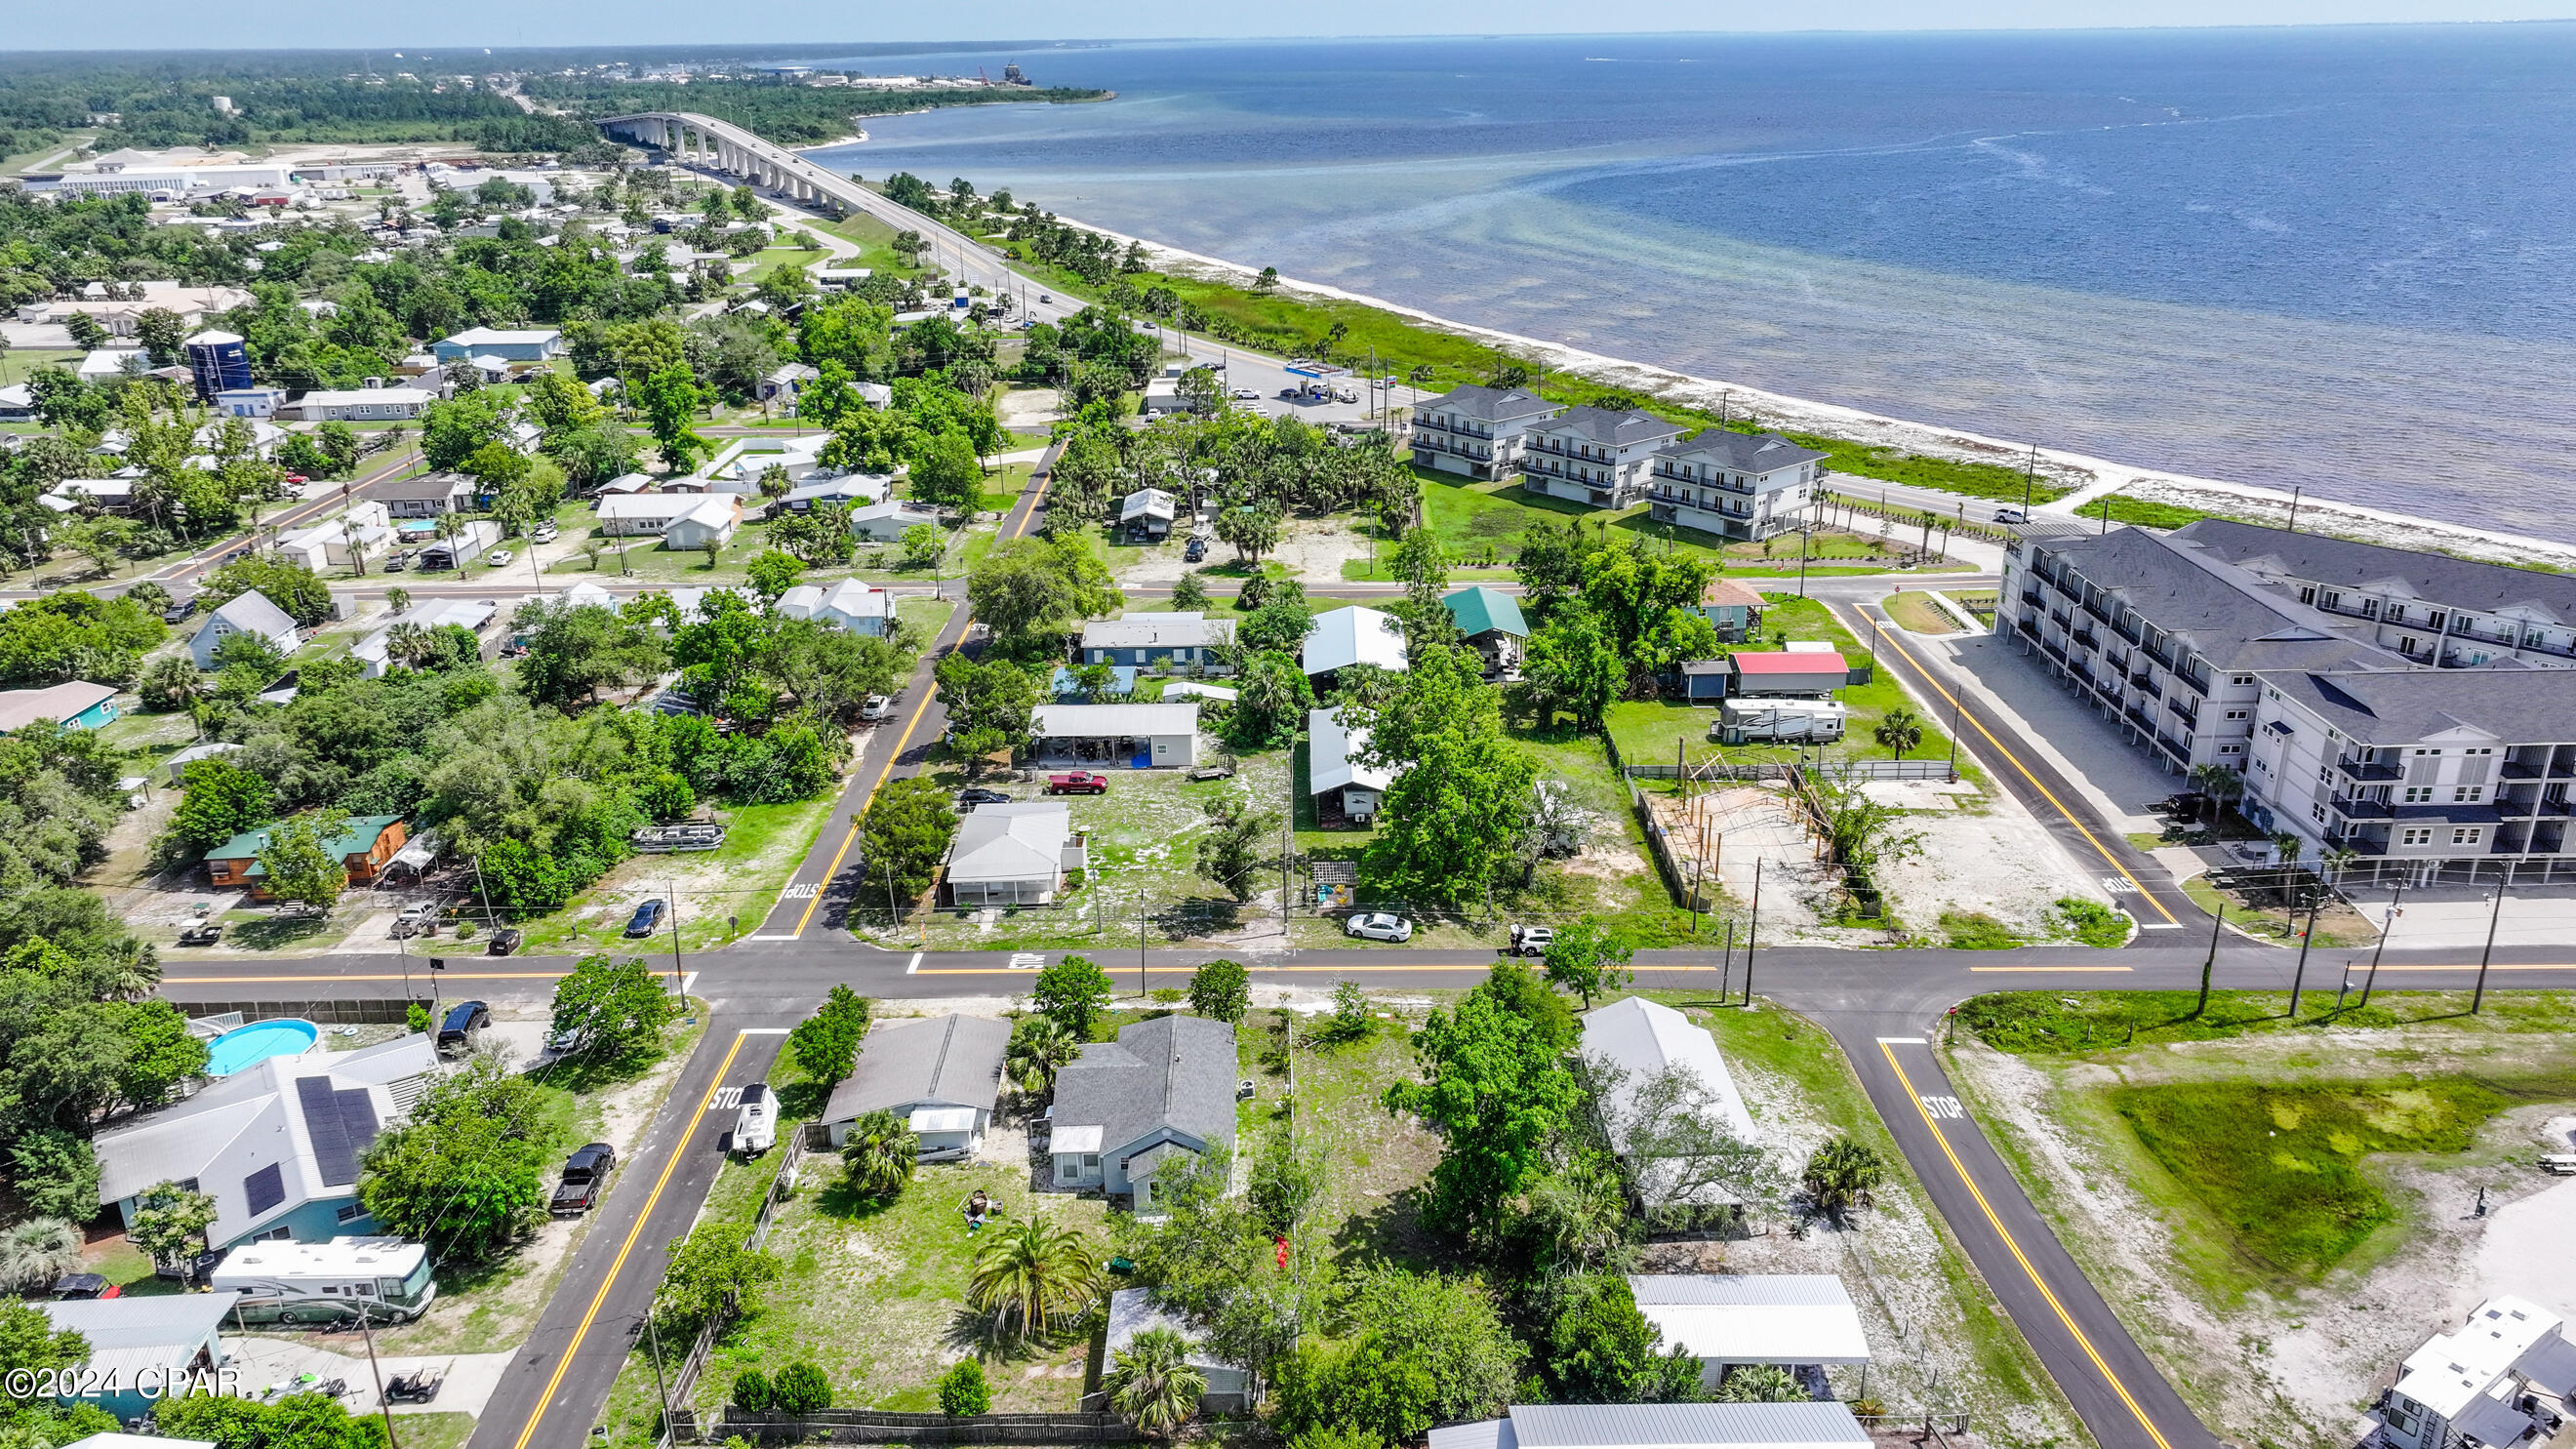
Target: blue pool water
245 1046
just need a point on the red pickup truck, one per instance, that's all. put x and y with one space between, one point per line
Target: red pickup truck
1080 782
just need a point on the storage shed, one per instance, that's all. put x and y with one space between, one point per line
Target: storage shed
1142 736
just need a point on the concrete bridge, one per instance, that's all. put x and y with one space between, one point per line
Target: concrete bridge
704 141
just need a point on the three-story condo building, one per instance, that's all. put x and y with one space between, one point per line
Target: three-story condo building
1734 485
1476 430
1594 456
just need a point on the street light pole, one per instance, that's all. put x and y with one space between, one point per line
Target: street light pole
2387 926
2478 998
1752 924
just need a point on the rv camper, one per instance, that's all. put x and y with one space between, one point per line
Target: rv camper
755 1131
1772 720
385 1280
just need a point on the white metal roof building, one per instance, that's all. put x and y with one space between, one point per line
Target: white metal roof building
1013 854
1770 1318
1641 1040
1138 735
1332 766
141 1347
1353 635
2466 1385
1826 1425
850 604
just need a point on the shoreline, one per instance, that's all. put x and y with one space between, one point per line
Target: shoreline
2089 477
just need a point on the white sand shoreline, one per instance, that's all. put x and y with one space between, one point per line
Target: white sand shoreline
2091 477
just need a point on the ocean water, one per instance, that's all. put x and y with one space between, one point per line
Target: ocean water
2340 258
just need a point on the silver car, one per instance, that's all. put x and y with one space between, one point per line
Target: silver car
1379 926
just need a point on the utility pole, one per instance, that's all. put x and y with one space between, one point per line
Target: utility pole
661 1391
679 982
367 1326
2029 474
2478 998
2209 964
1752 925
1955 705
2299 976
2387 927
2294 508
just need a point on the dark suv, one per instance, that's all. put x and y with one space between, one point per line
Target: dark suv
456 1032
585 1177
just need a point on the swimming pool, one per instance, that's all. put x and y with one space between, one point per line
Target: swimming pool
244 1046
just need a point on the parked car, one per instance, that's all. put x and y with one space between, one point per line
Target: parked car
499 557
1530 940
585 1178
1196 550
417 920
1247 394
1347 394
2011 515
396 562
647 916
417 1387
1292 393
505 941
542 533
464 1019
178 610
72 1286
202 933
755 1127
874 708
1047 297
1079 782
1379 926
970 798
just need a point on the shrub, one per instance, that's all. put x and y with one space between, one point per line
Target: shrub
752 1391
800 1389
417 1018
963 1390
2091 922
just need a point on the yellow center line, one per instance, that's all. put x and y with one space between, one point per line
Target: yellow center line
1933 683
618 1265
1997 1223
833 871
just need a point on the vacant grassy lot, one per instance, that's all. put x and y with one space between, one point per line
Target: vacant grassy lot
1915 613
736 882
2038 1023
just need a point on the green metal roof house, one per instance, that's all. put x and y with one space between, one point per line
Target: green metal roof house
364 847
1491 622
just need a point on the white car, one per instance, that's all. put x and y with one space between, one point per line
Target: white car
1379 926
874 708
542 533
1348 395
499 557
1247 394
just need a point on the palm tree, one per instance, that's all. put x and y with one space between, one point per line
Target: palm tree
1033 1277
1900 731
880 1155
774 482
1760 1383
1840 1176
2286 845
1040 1046
172 681
409 645
2337 859
36 1252
2220 783
1153 1383
398 599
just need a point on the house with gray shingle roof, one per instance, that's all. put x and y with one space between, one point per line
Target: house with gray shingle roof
1594 456
1164 1090
249 613
941 1076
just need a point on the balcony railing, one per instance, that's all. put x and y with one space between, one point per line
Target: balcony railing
2184 712
2085 638
2143 680
2030 628
2141 718
2358 808
2361 769
2032 596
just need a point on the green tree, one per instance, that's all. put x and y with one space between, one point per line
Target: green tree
1462 794
879 1155
87 334
800 1388
1497 1093
1424 567
1590 958
1272 699
671 398
922 546
1841 1175
1268 281
283 581
1073 993
101 540
906 833
162 333
1279 626
1152 1383
1029 1280
826 1044
1231 849
947 474
1221 991
1573 665
991 704
1039 1048
616 1008
1251 528
169 1223
220 801
1036 587
774 573
1189 592
299 861
712 1274
963 1391
1600 1350
36 1251
1899 730
752 1391
465 1172
55 1174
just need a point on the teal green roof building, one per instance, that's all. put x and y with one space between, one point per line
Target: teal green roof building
359 839
1483 610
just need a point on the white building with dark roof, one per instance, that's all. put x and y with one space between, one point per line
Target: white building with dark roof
1475 430
940 1076
1594 456
1734 485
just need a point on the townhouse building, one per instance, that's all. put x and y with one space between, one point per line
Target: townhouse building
1735 485
1476 430
2431 776
2161 640
2452 613
1593 456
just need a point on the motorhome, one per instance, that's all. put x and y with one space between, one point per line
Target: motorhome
755 1131
385 1280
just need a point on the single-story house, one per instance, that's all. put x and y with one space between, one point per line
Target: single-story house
850 490
1724 1319
1814 672
888 520
1146 514
108 495
1734 608
1344 789
77 705
738 467
17 403
1810 1425
1352 635
625 483
1013 855
787 381
467 541
106 364
359 405
249 613
177 765
1149 640
475 616
144 1348
713 520
1143 735
1066 684
427 496
634 515
1490 622
363 848
276 1145
1163 1090
510 344
1132 1311
1630 1043
940 1076
250 402
339 543
849 604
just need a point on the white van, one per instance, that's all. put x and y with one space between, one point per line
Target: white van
385 1280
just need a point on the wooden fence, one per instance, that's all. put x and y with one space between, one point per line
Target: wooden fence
361 1011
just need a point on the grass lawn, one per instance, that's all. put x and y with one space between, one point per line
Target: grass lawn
926 616
736 882
2039 1023
1915 613
2337 925
875 239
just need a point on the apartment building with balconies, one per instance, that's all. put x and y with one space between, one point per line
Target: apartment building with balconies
1476 430
2436 610
2431 776
1735 485
1593 456
2162 641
